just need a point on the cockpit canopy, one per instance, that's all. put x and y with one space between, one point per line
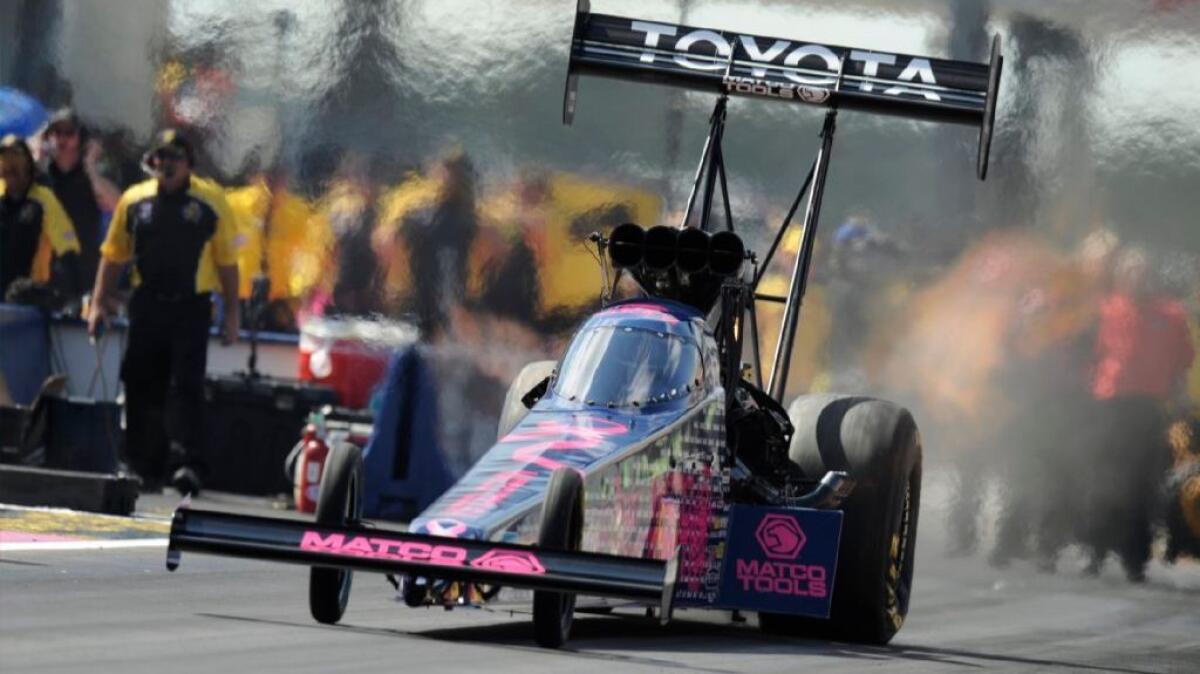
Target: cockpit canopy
633 355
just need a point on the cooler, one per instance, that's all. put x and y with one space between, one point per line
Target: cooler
350 355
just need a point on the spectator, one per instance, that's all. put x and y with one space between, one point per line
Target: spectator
439 242
1143 351
33 227
349 208
275 243
73 173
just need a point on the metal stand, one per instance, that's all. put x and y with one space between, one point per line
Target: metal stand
259 290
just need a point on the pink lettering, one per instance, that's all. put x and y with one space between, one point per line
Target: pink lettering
383 545
384 548
315 542
797 580
359 545
448 556
416 552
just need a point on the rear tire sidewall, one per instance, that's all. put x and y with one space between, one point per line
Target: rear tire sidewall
874 578
339 504
561 529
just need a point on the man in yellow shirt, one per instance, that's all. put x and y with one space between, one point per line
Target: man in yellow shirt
177 231
34 228
276 241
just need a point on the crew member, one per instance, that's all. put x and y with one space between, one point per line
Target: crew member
1143 352
74 175
33 225
177 231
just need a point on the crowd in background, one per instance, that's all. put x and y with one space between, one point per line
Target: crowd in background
367 240
1064 374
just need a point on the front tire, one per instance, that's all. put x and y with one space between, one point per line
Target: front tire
562 529
878 444
339 504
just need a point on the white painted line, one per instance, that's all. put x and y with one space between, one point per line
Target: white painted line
153 517
83 545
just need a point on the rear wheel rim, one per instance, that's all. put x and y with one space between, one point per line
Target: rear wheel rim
899 559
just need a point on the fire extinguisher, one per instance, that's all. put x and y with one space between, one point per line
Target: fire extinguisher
309 466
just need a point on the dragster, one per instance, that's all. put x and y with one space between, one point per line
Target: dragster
648 465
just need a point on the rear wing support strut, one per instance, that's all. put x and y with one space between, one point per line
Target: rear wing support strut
712 166
781 364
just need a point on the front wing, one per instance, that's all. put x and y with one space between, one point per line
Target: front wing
384 551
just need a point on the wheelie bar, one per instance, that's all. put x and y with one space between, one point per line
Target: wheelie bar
383 551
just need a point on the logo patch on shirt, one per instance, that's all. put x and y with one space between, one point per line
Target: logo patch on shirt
145 210
191 212
28 213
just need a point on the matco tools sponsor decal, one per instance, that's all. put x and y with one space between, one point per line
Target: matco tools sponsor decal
510 561
781 560
504 560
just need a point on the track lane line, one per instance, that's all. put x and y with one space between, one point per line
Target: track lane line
49 546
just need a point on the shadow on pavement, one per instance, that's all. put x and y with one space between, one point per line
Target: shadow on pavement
625 632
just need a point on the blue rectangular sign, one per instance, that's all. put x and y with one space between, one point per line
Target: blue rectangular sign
781 560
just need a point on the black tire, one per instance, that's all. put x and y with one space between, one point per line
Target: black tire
561 529
514 410
878 444
339 504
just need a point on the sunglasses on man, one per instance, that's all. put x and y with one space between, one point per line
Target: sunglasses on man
168 154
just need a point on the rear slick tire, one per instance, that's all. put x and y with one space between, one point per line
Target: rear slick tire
339 504
878 444
562 529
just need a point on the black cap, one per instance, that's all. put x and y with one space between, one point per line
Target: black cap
172 138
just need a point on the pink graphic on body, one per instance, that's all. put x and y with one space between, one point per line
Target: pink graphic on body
651 311
780 536
693 493
510 561
579 435
445 527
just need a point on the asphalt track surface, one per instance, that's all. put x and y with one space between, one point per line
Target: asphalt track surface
118 610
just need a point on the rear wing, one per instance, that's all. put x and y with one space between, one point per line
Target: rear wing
704 59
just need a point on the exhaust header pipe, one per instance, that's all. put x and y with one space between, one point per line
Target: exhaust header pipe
625 245
690 250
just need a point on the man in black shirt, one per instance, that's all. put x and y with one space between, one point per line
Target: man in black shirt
73 174
177 233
